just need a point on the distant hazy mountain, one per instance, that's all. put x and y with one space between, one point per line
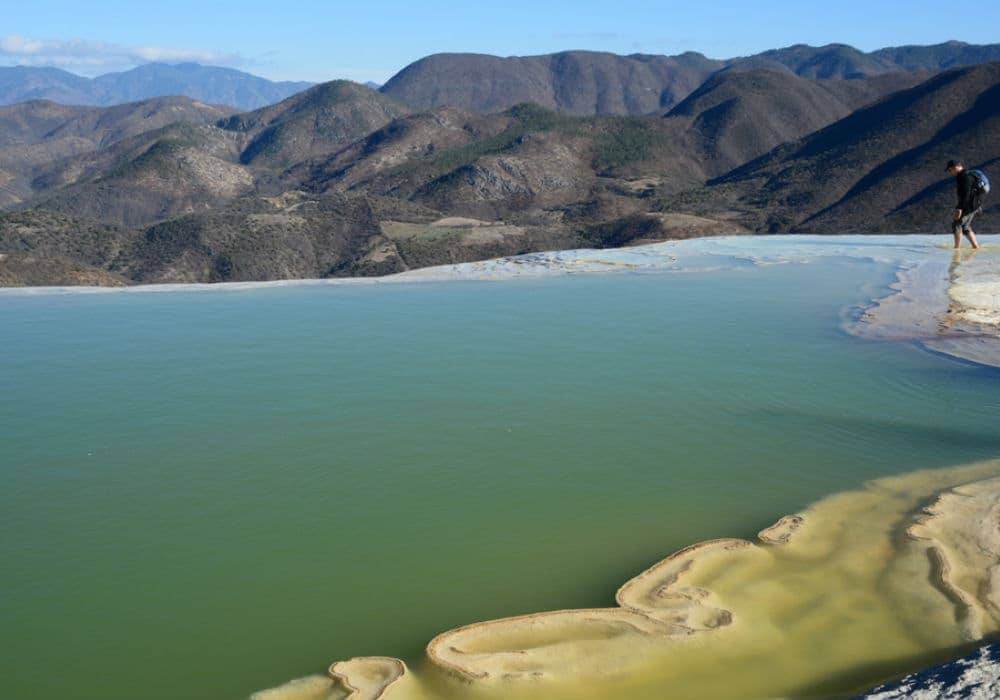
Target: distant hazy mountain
210 84
585 82
22 83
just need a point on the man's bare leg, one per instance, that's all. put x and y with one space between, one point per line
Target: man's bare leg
958 238
971 235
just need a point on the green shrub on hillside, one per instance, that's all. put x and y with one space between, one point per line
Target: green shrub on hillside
528 118
629 140
532 117
158 158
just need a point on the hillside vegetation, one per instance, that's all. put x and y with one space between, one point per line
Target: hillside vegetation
343 180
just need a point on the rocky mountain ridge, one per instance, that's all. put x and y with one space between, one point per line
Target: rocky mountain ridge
589 82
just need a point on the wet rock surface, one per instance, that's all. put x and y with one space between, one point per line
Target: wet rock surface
976 676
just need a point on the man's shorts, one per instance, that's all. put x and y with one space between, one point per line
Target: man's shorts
964 225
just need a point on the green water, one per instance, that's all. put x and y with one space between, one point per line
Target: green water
208 493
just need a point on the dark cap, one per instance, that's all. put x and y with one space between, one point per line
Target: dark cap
952 164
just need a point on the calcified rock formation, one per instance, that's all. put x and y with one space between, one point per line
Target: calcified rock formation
657 604
861 586
361 678
369 677
975 287
962 532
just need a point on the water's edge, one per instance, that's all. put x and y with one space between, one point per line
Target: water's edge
946 301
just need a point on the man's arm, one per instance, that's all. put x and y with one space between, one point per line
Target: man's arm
964 191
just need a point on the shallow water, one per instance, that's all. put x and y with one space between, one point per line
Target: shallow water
214 492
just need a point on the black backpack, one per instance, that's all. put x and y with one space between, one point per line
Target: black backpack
982 183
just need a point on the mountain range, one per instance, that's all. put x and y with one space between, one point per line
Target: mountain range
587 82
341 179
210 84
576 82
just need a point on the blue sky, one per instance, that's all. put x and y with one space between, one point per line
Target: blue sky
319 41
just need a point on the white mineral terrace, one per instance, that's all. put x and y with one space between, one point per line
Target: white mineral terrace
948 301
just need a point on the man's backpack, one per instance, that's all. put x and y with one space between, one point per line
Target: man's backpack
982 183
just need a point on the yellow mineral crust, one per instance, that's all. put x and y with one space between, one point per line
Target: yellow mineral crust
860 579
544 645
315 687
862 586
360 678
781 531
662 594
368 677
961 530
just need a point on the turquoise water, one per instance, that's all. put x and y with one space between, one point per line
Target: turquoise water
208 493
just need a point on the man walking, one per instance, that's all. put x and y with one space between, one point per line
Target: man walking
969 203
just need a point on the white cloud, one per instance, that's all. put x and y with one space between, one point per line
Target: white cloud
87 56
